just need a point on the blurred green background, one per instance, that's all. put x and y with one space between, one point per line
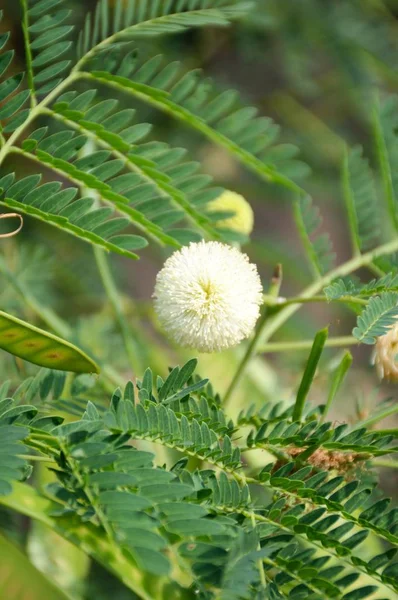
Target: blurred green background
312 65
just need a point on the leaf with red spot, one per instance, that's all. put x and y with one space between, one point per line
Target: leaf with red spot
42 348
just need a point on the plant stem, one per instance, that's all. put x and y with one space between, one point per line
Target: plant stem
350 205
380 462
335 342
281 302
28 52
114 299
273 292
337 379
48 316
52 320
388 412
34 113
276 321
260 564
35 458
269 324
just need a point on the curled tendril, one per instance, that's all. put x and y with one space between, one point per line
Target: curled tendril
12 216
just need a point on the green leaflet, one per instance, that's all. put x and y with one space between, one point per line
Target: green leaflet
309 373
296 540
28 501
380 313
42 348
250 152
12 113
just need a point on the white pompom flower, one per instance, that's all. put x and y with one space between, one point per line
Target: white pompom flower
385 354
208 296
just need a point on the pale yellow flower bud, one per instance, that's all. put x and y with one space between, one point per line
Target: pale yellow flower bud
386 351
243 219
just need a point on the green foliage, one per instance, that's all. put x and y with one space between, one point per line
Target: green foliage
52 204
341 288
218 116
226 542
380 313
162 486
145 181
12 113
385 126
134 19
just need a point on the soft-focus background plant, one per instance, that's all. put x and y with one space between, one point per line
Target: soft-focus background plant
312 66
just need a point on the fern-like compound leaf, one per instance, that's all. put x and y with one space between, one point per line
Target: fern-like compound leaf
13 100
386 141
361 200
133 19
153 171
341 288
378 316
218 116
58 206
47 33
305 539
318 247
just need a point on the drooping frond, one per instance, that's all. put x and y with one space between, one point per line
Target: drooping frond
150 183
318 247
146 183
157 180
221 117
135 18
57 206
361 200
380 313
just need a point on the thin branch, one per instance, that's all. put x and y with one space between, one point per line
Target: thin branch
28 52
166 105
33 114
268 326
164 189
335 342
281 302
114 299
